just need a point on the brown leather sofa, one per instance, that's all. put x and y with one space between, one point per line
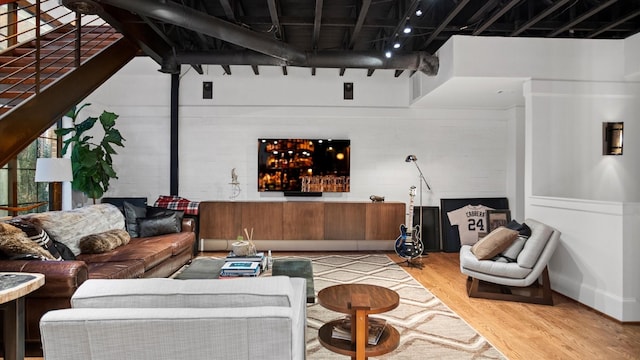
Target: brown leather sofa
156 256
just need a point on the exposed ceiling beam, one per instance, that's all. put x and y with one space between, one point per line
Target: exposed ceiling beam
370 72
255 70
228 10
317 23
362 15
445 22
227 69
613 24
503 10
480 13
548 11
275 20
398 73
582 17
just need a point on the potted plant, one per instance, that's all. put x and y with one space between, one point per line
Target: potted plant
91 160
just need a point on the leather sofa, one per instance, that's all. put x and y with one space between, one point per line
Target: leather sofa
144 257
240 319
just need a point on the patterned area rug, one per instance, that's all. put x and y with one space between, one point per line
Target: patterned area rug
428 328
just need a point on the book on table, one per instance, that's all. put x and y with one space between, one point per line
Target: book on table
233 257
342 330
241 268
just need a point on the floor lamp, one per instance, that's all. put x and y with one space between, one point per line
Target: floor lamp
54 171
414 159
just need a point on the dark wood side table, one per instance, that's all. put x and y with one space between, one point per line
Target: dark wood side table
13 288
358 301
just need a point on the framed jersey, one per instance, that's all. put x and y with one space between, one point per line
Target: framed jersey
462 219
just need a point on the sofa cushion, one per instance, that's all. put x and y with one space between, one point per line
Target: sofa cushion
70 226
150 253
193 293
508 270
104 241
131 215
540 235
38 235
511 253
15 244
159 225
494 243
130 269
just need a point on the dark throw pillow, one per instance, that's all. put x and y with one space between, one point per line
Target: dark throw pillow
104 241
511 253
159 225
522 229
131 215
153 211
64 250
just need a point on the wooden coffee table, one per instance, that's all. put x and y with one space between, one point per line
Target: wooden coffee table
358 301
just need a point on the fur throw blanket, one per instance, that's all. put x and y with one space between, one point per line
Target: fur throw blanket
15 244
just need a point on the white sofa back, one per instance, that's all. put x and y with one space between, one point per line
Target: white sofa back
254 318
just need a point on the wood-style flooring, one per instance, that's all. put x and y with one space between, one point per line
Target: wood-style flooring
567 330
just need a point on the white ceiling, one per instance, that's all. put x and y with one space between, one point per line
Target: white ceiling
475 93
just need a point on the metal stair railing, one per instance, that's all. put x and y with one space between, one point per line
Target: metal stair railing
42 40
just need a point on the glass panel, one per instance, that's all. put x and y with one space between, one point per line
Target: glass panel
27 158
27 192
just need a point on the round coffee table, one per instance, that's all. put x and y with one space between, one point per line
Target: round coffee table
358 300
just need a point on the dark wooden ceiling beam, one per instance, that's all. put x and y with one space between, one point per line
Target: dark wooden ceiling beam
498 14
534 20
362 16
480 13
255 69
582 18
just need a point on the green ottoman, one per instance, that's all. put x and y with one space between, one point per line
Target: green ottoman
300 268
202 268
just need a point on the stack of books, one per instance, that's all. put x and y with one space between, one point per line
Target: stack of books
251 265
343 330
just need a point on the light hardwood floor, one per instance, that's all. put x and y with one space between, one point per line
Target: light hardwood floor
567 330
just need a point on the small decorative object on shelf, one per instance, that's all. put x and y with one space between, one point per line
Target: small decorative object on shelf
235 185
269 260
376 198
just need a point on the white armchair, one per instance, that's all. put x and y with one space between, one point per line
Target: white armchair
519 280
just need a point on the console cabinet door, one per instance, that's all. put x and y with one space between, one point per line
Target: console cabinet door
264 217
344 221
303 221
384 220
220 220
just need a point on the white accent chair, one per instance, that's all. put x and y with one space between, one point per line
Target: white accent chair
525 280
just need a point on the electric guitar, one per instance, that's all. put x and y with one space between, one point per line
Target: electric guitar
409 245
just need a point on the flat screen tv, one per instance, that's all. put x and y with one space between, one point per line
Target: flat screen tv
304 165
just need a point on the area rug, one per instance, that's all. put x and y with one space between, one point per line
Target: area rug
428 328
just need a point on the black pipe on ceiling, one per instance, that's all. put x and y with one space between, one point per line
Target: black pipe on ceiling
278 53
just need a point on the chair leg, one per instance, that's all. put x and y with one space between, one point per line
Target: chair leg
486 290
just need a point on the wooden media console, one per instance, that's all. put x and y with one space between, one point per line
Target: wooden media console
301 225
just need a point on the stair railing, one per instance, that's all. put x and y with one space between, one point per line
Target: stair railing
40 41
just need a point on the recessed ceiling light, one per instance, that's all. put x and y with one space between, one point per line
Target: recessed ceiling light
396 45
387 54
407 30
419 12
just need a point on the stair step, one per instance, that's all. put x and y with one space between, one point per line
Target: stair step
28 80
30 60
31 70
15 95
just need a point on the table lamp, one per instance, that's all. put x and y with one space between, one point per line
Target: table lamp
54 171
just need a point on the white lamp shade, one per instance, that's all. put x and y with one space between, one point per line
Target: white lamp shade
53 170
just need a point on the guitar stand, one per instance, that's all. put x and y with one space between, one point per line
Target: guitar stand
412 264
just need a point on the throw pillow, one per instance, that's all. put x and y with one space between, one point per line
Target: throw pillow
523 228
15 244
494 243
38 235
153 211
104 241
159 225
511 253
64 250
131 215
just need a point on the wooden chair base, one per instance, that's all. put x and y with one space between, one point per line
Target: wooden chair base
537 293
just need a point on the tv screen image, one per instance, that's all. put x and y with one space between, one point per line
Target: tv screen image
304 165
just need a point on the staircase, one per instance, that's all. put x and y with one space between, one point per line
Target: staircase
46 69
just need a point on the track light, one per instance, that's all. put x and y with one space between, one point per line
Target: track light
387 54
407 29
419 12
396 45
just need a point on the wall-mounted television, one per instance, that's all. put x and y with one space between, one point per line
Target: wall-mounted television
304 165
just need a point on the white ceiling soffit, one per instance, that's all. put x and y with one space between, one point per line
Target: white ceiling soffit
474 93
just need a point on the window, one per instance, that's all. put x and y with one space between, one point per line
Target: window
17 179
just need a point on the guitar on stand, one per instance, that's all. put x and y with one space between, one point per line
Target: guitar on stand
409 245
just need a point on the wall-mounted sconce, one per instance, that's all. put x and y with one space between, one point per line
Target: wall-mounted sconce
612 138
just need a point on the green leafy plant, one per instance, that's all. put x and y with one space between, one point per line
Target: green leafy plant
91 161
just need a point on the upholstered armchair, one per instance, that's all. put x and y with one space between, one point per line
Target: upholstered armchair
525 278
